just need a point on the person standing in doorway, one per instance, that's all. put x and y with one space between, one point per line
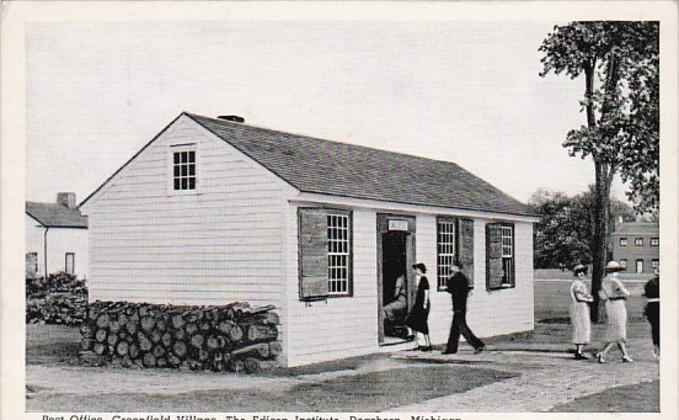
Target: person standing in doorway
652 310
458 287
580 300
614 294
417 318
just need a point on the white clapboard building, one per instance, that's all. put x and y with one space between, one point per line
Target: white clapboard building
56 237
212 211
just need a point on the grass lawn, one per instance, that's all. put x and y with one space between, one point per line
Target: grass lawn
368 392
633 398
552 299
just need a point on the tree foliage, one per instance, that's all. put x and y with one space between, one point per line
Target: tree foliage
564 233
620 62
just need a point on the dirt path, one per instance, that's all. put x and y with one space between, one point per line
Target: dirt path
547 379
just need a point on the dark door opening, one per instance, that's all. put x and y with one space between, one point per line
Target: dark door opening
394 283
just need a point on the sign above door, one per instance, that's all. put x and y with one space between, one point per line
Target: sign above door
398 225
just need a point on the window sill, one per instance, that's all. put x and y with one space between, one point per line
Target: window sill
184 194
503 287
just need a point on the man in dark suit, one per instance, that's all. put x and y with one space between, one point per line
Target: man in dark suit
458 287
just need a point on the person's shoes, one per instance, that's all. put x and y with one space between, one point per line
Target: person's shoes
580 356
448 352
627 359
600 358
479 349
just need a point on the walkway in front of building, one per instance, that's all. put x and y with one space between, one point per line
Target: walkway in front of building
547 377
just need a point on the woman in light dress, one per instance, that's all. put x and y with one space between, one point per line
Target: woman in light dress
614 294
580 300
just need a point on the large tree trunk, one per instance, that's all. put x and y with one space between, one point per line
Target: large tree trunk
602 190
604 171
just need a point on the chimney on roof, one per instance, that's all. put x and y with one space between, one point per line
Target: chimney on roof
67 199
232 118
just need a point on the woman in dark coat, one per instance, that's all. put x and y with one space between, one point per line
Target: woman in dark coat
652 311
417 318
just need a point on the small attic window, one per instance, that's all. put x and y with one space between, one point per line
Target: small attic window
184 168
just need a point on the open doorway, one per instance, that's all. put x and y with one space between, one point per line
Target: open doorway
394 283
395 253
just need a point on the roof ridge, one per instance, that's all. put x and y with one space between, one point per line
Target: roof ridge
258 127
334 142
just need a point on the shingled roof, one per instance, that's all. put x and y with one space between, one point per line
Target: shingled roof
56 215
327 167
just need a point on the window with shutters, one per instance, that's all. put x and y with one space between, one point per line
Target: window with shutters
655 241
183 163
623 241
445 245
500 269
325 253
338 254
508 255
639 241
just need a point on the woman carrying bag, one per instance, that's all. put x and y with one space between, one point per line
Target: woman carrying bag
614 294
580 300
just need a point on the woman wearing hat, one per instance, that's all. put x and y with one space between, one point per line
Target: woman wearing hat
417 318
614 294
580 300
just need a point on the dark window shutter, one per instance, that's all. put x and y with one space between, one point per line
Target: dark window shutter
494 271
466 248
313 253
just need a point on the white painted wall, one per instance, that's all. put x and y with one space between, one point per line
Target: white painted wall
342 326
489 313
59 242
347 326
219 245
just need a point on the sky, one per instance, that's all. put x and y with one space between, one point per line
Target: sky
466 92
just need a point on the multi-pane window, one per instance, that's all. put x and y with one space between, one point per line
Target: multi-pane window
655 263
623 241
639 241
70 263
655 241
338 254
445 249
623 263
508 254
184 170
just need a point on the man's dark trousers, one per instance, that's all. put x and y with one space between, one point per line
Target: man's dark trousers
459 326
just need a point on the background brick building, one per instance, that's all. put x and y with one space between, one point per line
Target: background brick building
636 246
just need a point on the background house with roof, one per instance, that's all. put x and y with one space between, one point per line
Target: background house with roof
56 237
636 246
212 211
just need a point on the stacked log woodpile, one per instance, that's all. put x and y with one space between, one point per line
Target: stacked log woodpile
61 299
235 337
